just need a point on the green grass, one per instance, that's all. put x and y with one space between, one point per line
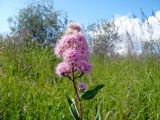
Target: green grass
29 89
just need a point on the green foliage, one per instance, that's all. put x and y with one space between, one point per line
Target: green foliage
38 22
98 116
90 94
151 48
103 36
72 108
30 90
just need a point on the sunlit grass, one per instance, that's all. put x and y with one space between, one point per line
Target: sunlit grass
30 90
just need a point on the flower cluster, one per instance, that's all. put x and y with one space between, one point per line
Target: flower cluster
73 49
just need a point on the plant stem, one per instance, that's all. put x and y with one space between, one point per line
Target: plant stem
76 91
79 101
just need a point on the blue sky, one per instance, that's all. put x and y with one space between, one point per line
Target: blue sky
83 11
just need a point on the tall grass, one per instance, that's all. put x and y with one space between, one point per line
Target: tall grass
30 90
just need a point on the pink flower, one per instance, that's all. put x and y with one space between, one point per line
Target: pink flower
71 56
58 51
83 50
84 66
82 86
74 26
68 40
63 68
80 38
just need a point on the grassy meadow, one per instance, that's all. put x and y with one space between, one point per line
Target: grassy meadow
30 90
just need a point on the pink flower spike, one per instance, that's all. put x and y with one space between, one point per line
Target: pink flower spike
73 48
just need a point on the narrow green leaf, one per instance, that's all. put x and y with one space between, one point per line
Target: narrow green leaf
91 93
98 116
72 108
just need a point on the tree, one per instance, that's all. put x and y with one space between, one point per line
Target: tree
38 22
103 37
151 48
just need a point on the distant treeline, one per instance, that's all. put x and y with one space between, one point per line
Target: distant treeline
41 23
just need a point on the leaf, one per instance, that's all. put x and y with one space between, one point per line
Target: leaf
89 94
98 116
72 108
98 87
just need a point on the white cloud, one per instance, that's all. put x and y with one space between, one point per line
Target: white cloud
138 30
